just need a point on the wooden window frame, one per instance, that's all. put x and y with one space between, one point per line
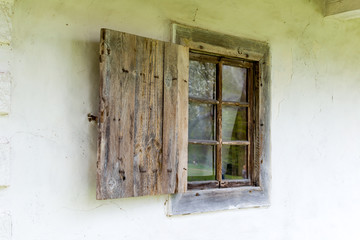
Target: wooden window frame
218 102
258 193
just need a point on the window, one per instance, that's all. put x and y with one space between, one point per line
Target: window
146 100
228 188
221 126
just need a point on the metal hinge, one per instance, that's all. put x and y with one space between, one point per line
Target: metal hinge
92 118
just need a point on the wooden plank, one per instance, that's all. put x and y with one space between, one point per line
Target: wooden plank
219 121
217 43
233 103
200 185
183 103
234 183
202 56
257 146
235 62
117 95
203 142
203 100
148 116
346 9
239 142
197 201
175 123
251 122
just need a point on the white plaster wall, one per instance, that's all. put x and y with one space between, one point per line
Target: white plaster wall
55 79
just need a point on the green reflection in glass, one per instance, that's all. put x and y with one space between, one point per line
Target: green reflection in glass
234 162
234 123
201 162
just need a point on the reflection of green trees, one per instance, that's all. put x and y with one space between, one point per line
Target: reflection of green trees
202 77
233 160
201 162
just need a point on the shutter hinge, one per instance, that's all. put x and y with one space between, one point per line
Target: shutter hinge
92 118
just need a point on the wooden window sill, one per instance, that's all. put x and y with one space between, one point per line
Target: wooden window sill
198 201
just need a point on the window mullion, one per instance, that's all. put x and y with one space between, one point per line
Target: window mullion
219 121
250 153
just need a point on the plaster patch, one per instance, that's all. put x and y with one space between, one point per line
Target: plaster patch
4 162
6 56
7 1
5 22
5 225
5 89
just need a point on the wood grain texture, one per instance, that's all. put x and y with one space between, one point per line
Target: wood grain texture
148 117
132 128
217 43
219 121
200 185
117 96
203 100
346 9
197 201
203 142
176 74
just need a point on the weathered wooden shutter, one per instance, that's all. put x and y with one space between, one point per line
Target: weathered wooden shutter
142 147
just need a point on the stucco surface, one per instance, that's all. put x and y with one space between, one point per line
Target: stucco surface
314 121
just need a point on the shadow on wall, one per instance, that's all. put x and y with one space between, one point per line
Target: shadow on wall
84 87
94 82
83 91
319 5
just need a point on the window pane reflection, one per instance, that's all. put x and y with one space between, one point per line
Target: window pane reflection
234 84
201 121
234 162
202 79
201 162
234 123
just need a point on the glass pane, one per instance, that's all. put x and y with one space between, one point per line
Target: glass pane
234 123
234 162
202 79
201 163
234 84
201 121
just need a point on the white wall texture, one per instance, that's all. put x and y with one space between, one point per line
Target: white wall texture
52 147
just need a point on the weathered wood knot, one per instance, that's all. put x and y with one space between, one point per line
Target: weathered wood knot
111 184
122 175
